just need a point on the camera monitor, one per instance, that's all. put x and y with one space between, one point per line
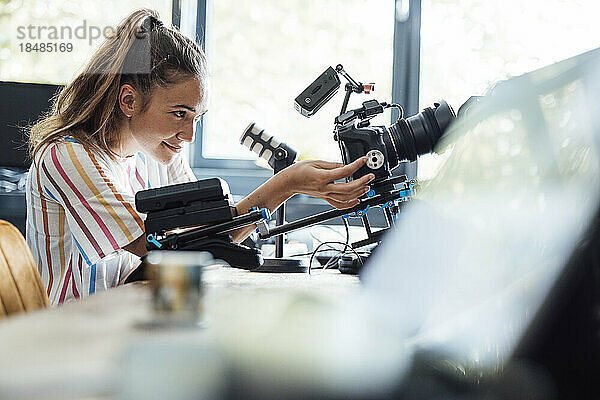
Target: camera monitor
495 262
22 105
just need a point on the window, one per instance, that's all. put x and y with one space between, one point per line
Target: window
468 45
263 53
66 34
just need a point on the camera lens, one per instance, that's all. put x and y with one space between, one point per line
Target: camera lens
411 137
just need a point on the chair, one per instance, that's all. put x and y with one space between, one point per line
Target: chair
21 288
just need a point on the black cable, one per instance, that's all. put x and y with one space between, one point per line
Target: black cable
311 252
329 243
317 250
333 260
346 225
346 246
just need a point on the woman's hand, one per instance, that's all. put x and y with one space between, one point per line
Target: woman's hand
316 178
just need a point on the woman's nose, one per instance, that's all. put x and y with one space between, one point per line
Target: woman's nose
188 134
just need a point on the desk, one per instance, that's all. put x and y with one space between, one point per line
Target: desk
75 351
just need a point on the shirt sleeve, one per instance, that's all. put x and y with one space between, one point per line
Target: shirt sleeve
100 211
179 170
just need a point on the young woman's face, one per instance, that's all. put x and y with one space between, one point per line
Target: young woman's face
169 119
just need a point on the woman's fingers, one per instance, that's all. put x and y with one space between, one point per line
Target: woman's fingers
339 187
317 178
328 164
342 204
347 170
349 195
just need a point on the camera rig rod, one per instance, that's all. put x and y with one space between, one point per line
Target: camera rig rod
351 86
340 70
199 233
264 232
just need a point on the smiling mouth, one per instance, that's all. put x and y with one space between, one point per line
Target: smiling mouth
174 149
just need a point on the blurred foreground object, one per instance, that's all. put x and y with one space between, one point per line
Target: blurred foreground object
176 279
500 258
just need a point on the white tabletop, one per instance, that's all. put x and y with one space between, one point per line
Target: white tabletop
75 351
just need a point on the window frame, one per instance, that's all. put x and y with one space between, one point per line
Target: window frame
406 68
197 160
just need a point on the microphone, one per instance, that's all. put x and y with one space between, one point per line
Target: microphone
278 155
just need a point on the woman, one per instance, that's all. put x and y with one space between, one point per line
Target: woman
118 128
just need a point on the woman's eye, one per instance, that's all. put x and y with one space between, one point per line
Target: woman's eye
179 114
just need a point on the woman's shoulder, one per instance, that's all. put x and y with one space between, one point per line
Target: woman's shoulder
70 151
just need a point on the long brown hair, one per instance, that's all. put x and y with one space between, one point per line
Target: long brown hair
143 53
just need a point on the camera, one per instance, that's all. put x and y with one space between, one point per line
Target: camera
385 147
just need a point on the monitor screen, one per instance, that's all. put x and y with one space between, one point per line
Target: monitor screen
22 105
478 252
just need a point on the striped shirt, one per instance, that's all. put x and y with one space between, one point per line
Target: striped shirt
81 213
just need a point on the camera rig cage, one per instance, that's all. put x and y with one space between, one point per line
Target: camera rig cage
387 192
206 205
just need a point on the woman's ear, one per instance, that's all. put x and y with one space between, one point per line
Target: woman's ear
128 100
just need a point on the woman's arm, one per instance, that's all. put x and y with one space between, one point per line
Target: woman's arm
314 178
138 246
